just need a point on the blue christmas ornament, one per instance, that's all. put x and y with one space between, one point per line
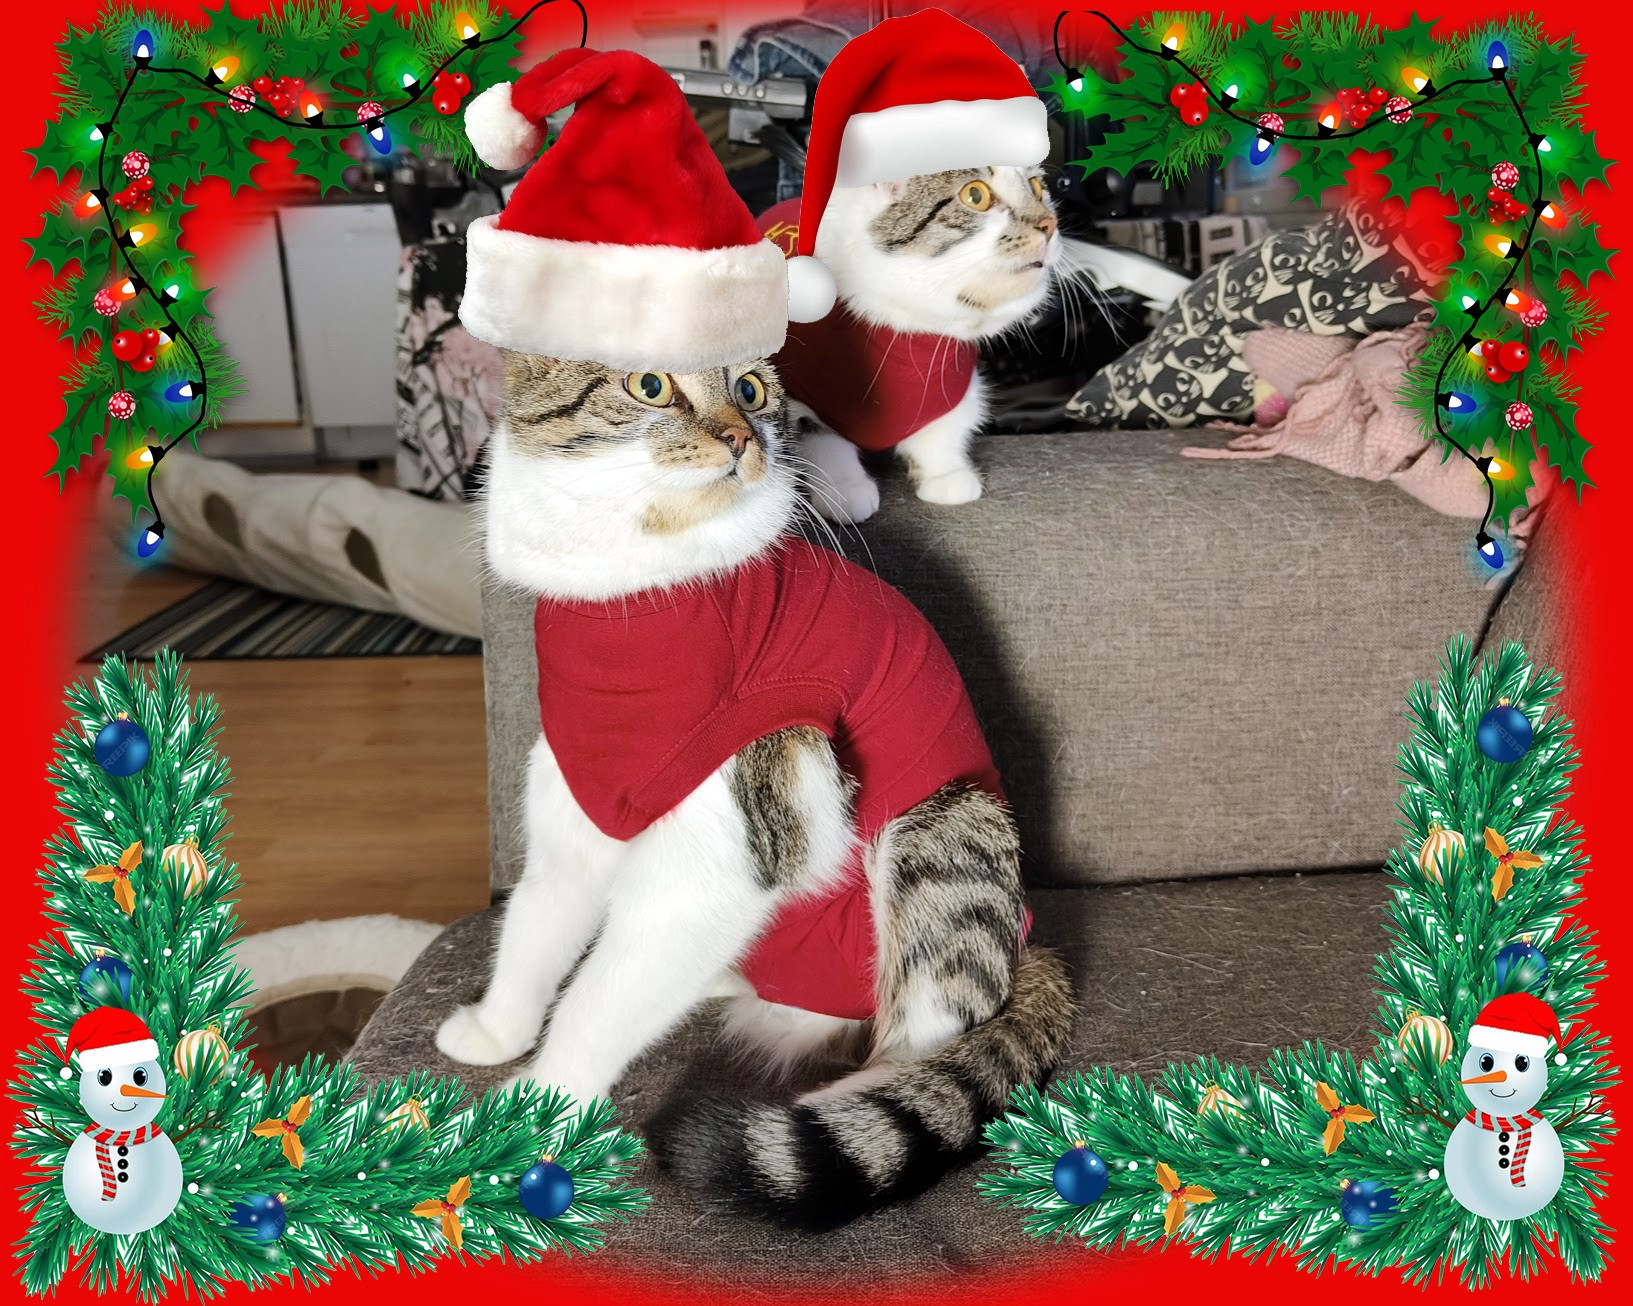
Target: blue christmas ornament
1521 967
261 1216
1365 1204
122 747
104 973
1504 734
546 1191
1081 1177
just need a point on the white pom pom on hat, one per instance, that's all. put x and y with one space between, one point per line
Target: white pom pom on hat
502 136
811 289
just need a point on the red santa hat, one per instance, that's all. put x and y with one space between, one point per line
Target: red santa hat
624 244
923 93
117 1037
1516 1022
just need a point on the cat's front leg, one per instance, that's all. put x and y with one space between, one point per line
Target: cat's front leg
695 891
839 486
938 453
551 915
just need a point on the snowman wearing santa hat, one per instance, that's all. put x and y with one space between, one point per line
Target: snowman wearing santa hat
122 1174
1503 1160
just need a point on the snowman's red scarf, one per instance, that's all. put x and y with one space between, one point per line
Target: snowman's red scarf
106 1138
1519 1125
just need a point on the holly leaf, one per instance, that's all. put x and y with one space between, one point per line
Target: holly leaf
66 238
76 435
317 155
1320 167
1567 450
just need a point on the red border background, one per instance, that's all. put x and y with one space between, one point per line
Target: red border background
45 533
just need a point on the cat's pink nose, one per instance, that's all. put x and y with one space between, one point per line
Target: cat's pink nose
1048 225
737 437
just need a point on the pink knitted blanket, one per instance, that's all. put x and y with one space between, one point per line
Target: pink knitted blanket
1342 414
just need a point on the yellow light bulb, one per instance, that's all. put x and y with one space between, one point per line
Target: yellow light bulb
1499 245
139 459
224 68
1173 36
1415 79
465 25
142 232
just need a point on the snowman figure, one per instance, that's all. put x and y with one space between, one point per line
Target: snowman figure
122 1174
1504 1160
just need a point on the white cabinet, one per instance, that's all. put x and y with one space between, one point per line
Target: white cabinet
252 324
341 262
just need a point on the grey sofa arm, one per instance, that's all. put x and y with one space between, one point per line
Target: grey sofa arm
1184 668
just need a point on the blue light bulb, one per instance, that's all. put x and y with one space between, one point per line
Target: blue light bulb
1491 553
180 392
147 544
1455 401
379 137
1261 149
1497 58
141 49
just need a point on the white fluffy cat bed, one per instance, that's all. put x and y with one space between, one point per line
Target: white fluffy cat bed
336 539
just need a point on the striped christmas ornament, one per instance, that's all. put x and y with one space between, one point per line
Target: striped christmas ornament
1441 845
1428 1034
410 1112
185 858
201 1049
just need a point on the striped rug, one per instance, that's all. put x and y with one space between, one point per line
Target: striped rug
228 620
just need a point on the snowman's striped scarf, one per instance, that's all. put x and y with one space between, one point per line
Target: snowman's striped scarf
1520 1127
106 1138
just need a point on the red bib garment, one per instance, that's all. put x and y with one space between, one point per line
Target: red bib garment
873 385
643 698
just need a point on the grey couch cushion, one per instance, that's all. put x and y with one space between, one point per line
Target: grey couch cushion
1184 668
1163 971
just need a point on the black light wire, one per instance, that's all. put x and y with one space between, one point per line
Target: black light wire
158 451
1482 462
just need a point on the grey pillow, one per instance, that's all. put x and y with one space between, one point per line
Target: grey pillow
1339 276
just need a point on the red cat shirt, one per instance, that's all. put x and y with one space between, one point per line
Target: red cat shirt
873 385
643 698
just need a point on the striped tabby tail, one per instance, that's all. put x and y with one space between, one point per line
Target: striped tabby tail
881 1134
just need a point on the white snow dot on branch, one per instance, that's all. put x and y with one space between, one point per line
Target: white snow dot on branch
1434 1174
167 952
1133 1165
1458 937
493 1178
107 816
192 1188
362 1174
1264 1160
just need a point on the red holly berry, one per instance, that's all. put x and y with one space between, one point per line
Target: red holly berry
1496 375
262 85
135 164
143 362
142 184
1489 348
150 339
121 404
1192 102
1513 356
1378 95
126 345
240 99
460 82
1518 416
1398 110
444 102
1505 176
279 103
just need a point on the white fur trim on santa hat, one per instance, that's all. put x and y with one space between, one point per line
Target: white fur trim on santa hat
909 139
501 137
634 307
1507 1040
811 289
121 1054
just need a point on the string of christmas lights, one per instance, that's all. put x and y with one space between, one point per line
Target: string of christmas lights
371 120
1270 127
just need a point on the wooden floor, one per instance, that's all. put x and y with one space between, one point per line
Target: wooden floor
359 784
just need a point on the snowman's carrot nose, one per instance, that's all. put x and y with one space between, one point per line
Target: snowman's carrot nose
1495 1077
130 1090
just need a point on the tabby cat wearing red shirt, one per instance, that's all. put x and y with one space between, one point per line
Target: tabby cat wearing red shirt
757 776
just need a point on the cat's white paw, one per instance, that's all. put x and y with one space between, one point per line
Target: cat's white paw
466 1037
848 498
581 1090
961 485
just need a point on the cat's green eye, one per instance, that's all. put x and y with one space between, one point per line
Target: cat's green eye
750 392
976 195
654 388
1037 186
